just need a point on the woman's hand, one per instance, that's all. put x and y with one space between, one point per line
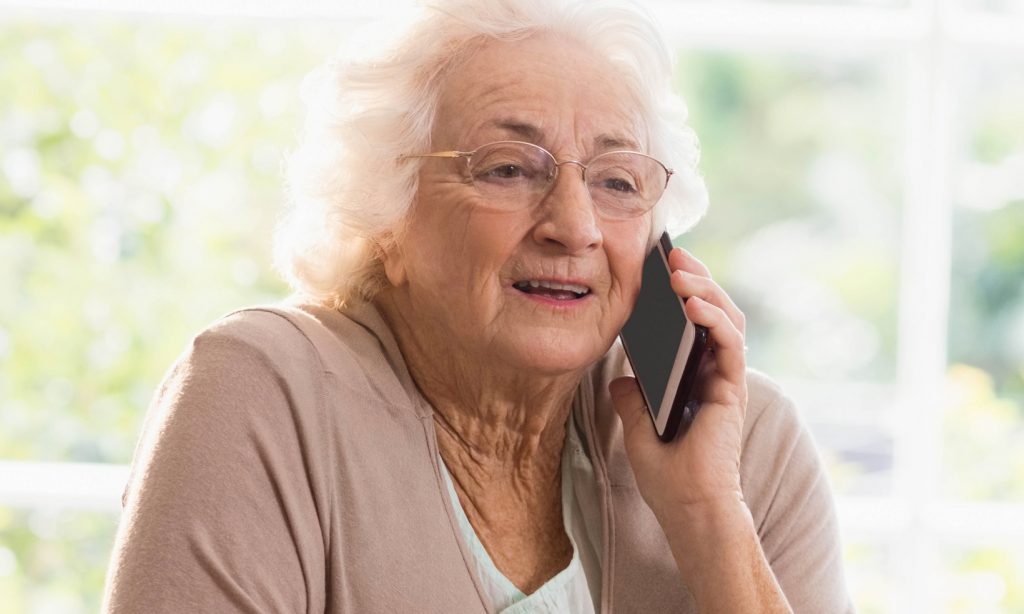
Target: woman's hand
701 467
693 483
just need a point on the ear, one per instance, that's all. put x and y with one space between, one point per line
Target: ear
393 259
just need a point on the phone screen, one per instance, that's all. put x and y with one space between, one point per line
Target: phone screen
663 347
655 330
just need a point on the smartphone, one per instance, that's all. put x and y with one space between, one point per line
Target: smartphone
664 347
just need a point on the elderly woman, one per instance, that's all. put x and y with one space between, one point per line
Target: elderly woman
439 422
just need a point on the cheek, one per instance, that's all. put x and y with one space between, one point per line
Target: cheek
625 289
489 238
437 231
627 250
462 249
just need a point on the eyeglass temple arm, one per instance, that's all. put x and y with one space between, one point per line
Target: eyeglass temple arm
440 154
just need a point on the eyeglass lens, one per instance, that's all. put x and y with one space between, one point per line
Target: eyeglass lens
517 175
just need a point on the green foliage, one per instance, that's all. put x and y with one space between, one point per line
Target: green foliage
869 573
142 184
987 302
987 292
984 579
803 224
53 560
979 424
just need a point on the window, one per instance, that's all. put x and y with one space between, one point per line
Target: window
865 162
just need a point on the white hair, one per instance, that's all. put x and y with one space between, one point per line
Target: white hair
348 190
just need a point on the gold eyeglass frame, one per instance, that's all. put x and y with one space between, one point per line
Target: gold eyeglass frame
468 155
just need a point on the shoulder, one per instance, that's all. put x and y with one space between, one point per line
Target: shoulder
769 408
288 337
780 464
774 435
775 439
784 485
240 367
261 360
790 499
351 352
270 331
257 375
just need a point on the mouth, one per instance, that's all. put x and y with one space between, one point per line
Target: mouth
553 290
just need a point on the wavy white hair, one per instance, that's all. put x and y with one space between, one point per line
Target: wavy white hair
348 190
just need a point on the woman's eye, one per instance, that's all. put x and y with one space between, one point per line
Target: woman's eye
618 184
506 171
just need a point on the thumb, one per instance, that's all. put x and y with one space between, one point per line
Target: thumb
628 403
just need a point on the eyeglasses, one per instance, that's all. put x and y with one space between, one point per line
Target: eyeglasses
515 175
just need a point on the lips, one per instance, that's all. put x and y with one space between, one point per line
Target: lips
563 291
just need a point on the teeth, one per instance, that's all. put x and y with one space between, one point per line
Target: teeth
534 283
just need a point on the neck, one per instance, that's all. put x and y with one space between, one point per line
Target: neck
501 434
497 425
491 440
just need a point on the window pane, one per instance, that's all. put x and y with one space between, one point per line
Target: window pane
879 3
984 443
802 156
53 560
982 579
995 6
870 573
139 183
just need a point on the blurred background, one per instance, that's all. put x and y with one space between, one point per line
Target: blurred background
866 167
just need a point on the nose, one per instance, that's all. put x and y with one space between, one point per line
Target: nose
568 217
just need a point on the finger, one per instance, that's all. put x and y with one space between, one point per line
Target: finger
693 269
720 391
727 339
681 259
688 284
629 404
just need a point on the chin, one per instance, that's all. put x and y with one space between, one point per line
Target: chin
555 354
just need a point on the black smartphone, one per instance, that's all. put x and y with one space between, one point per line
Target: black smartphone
664 347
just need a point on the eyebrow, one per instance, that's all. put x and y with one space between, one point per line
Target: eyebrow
533 134
527 132
611 142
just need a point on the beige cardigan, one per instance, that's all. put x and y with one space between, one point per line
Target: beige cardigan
288 463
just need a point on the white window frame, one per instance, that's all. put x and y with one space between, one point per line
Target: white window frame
927 33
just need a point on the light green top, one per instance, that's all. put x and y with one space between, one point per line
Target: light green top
568 592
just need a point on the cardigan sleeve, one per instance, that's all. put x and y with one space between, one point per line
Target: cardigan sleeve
221 511
790 499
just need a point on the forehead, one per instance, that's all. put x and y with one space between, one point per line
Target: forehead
543 89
